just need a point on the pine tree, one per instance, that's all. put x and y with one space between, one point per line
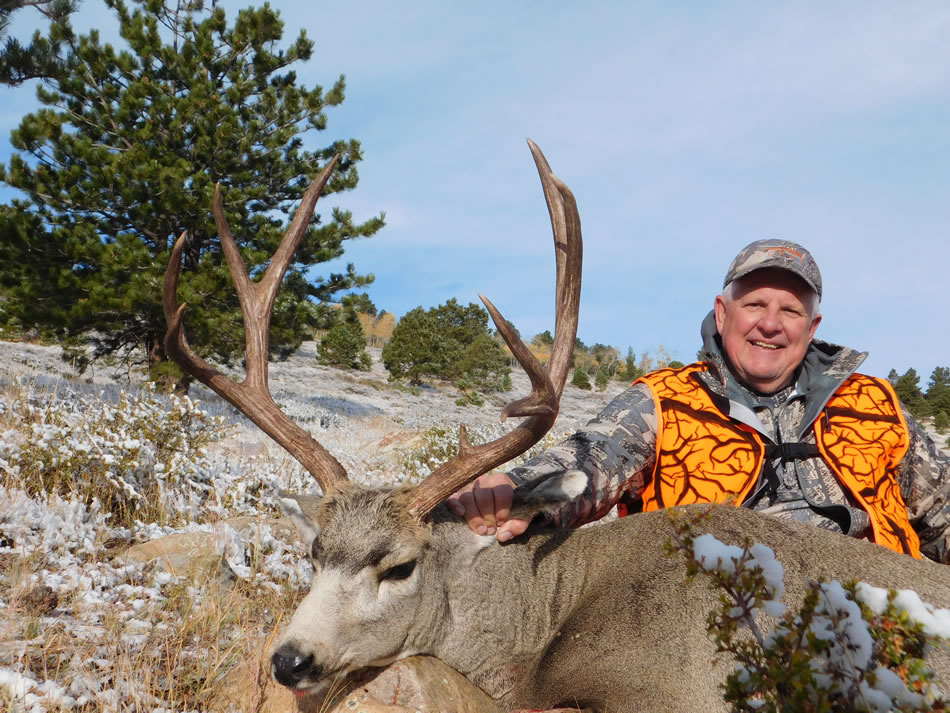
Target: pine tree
124 156
938 390
581 380
602 378
344 346
545 338
631 372
41 58
447 342
908 391
485 364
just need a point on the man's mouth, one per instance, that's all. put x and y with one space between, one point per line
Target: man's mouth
764 345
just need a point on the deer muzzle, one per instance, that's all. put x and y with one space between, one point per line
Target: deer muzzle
290 667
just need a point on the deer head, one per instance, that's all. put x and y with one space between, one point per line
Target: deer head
381 558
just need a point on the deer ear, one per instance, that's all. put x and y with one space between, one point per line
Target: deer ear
534 498
301 509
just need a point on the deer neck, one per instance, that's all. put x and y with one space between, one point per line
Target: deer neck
490 608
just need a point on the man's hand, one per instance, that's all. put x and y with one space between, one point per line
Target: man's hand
485 504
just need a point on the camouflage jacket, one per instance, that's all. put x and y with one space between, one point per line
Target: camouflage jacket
617 450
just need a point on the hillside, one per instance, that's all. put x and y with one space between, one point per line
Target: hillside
359 416
140 555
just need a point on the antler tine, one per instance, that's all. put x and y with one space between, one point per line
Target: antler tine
568 251
541 406
251 396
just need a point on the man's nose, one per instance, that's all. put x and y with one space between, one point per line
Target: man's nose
770 321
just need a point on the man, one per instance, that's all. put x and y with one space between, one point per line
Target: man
770 419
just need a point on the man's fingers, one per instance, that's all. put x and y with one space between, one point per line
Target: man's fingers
485 502
454 505
471 513
511 529
504 493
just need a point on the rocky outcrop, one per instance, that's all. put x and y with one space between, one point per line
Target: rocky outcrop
418 683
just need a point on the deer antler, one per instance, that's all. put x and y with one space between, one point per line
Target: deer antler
542 405
251 396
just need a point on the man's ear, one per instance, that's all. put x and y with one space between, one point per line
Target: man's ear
537 497
301 509
719 310
814 326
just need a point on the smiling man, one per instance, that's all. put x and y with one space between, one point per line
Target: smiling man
771 419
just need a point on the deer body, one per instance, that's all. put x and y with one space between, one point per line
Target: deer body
597 618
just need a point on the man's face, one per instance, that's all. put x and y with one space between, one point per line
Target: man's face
766 324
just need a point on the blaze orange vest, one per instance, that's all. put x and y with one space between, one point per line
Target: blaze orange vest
704 457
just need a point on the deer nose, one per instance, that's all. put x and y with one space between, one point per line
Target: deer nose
290 666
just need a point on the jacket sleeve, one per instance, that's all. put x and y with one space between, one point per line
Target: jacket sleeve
616 450
924 476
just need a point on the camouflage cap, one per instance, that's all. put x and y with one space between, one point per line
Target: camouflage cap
783 254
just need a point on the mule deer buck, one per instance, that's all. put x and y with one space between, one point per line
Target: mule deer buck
592 618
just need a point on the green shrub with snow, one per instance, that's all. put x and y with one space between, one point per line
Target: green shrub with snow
851 647
439 444
141 458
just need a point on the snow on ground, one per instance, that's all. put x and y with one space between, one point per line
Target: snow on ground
78 621
328 401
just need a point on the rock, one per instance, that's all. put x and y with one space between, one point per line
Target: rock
200 555
403 438
418 683
191 554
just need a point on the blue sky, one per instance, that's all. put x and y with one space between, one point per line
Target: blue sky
685 130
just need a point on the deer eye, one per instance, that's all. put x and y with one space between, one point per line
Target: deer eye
399 571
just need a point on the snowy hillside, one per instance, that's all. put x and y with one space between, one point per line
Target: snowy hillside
140 551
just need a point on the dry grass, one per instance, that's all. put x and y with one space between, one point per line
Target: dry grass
122 454
195 636
81 628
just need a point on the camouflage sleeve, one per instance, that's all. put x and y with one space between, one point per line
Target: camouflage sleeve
616 450
924 475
